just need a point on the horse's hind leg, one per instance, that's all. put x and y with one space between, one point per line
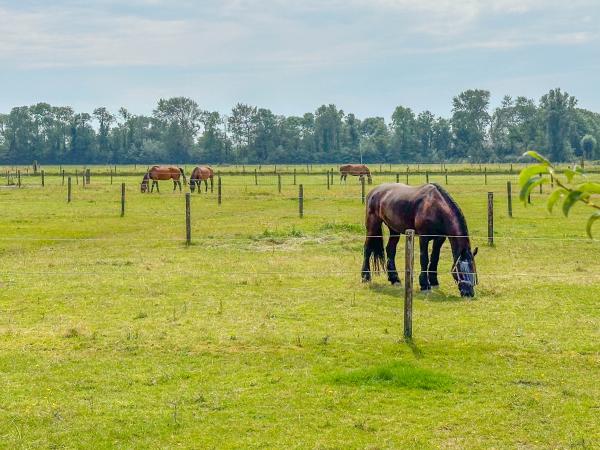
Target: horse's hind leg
205 186
423 278
157 189
435 258
390 251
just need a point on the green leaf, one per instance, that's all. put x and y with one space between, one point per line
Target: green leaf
531 171
529 186
537 156
591 221
554 197
590 188
572 198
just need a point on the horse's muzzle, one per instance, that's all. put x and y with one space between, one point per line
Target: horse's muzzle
466 289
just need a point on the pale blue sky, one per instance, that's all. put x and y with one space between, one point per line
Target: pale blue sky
366 56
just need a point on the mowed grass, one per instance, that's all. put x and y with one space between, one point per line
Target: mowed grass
114 333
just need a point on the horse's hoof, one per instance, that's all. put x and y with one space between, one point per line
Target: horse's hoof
366 280
426 289
435 286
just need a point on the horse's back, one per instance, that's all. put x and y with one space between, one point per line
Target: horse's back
399 205
354 169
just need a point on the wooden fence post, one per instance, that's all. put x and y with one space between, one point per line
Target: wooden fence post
362 189
219 190
188 219
122 199
409 262
485 176
328 185
43 179
446 177
18 178
279 183
111 177
294 176
406 174
255 177
509 196
63 176
332 176
301 201
427 177
88 176
69 190
490 210
397 178
76 177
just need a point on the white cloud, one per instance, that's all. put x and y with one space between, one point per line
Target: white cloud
277 34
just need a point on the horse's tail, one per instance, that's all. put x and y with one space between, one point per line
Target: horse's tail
183 175
374 243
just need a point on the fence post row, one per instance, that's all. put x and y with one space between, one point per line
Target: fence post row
122 199
362 189
219 190
188 219
409 262
301 200
509 197
490 218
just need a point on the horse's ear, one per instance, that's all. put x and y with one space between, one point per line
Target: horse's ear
476 250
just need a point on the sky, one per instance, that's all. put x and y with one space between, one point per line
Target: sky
366 56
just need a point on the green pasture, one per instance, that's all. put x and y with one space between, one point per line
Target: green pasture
115 334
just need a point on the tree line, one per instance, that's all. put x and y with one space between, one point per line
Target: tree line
179 130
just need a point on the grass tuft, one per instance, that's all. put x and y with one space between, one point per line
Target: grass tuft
396 375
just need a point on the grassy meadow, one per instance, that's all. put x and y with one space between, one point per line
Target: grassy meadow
114 333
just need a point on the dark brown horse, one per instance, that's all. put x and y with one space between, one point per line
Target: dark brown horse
357 170
435 216
200 174
157 173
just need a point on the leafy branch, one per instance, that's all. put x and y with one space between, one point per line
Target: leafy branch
566 190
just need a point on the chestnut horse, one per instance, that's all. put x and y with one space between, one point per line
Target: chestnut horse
200 174
156 173
357 170
435 216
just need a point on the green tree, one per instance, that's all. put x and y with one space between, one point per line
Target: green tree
179 119
558 110
404 135
588 146
470 119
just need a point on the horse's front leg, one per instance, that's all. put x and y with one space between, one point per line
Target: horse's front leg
179 184
157 189
390 251
424 250
206 186
435 259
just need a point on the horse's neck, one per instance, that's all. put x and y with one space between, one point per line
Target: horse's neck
459 239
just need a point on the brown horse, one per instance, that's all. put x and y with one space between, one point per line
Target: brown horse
200 174
156 173
357 170
435 216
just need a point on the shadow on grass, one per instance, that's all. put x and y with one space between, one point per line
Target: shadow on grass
431 296
394 375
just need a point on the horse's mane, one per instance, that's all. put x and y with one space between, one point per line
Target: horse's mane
455 208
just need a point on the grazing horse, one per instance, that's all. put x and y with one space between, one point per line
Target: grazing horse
156 173
435 216
200 174
357 170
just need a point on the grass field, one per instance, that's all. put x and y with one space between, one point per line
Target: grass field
114 333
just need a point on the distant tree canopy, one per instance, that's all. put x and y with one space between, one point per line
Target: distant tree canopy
179 130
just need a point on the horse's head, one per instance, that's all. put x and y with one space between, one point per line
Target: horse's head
192 185
464 272
144 184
